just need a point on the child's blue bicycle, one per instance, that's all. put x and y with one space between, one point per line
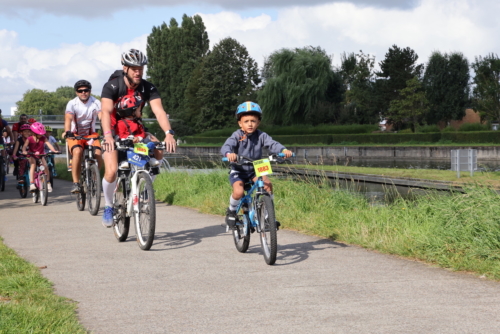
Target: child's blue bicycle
256 211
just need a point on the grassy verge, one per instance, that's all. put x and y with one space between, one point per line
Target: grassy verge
460 232
27 300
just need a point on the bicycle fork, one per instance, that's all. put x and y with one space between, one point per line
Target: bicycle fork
133 200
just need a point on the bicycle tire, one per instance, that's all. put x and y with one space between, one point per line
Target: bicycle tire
2 174
36 196
164 166
145 218
121 223
94 190
44 192
81 196
23 189
242 241
268 235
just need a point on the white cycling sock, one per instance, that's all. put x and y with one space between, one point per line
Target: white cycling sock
108 189
233 203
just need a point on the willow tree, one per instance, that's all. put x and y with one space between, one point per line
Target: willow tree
295 82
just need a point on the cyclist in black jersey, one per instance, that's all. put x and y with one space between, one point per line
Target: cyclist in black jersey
128 82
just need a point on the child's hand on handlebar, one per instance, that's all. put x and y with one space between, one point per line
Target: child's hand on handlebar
232 157
287 153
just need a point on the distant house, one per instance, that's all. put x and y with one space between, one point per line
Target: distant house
470 117
384 125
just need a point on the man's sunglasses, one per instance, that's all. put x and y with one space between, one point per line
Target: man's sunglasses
83 90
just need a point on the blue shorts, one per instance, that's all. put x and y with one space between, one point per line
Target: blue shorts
244 177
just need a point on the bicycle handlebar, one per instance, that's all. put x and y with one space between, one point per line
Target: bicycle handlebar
272 157
86 138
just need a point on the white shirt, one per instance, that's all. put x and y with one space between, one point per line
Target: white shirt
85 114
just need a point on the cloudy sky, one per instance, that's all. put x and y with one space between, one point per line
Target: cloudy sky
52 43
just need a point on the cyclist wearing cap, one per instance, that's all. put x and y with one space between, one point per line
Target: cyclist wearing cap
126 83
81 115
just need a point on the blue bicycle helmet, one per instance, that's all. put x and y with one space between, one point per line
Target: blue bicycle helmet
248 108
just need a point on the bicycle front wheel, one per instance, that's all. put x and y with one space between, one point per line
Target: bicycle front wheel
94 189
121 223
268 236
23 188
81 196
241 234
145 217
44 192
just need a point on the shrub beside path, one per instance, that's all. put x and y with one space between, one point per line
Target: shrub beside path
194 281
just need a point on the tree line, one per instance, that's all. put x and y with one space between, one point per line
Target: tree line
200 88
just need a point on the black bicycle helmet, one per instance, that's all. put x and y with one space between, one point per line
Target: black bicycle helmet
82 83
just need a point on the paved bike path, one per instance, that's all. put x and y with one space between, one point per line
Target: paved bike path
194 281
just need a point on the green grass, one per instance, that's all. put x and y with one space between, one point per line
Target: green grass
27 300
458 231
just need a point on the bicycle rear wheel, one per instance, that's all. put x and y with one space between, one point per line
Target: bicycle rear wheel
267 221
44 192
121 223
145 218
81 197
241 234
94 189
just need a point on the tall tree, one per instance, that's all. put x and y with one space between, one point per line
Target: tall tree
486 92
34 100
173 53
296 81
399 66
446 82
228 76
411 106
357 73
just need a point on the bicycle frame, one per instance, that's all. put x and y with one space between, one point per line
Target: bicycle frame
256 190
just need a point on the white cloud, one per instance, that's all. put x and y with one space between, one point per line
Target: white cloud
468 26
453 25
25 68
108 7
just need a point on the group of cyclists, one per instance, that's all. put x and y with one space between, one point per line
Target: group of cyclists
120 112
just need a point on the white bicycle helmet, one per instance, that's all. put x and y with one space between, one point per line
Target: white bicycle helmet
134 57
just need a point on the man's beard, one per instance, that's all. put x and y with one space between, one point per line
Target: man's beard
131 81
84 101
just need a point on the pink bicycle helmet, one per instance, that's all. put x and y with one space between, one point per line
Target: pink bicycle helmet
38 128
25 127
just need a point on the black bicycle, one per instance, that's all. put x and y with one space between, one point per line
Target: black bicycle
90 179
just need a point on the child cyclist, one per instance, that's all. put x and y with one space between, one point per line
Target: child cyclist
35 144
129 124
25 131
248 142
